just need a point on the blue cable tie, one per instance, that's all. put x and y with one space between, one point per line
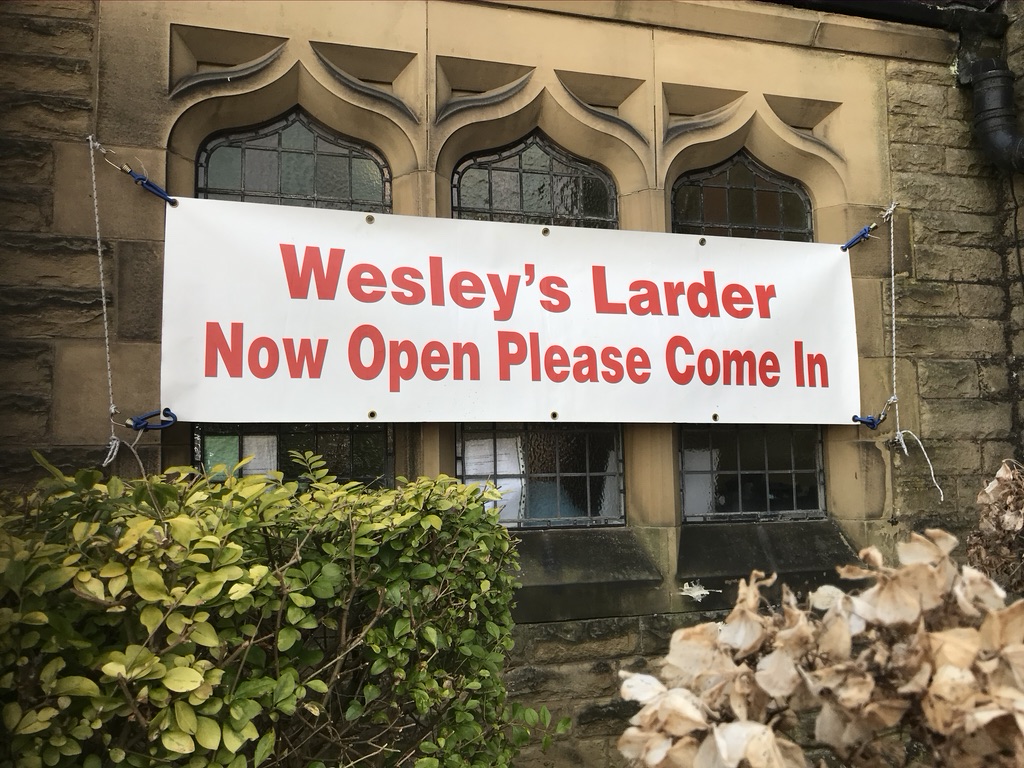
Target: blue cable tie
860 237
143 424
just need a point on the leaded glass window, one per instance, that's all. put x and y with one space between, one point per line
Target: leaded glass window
741 198
361 452
534 181
755 472
551 474
294 160
564 474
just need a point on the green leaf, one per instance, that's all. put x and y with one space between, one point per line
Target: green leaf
207 732
11 715
182 679
149 584
422 571
354 711
186 717
75 685
426 762
287 637
431 521
263 748
204 634
402 627
151 617
178 741
319 686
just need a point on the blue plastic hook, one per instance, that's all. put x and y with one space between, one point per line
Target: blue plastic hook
860 237
149 186
871 422
142 423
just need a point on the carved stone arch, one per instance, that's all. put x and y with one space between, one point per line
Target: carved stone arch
264 103
560 124
708 140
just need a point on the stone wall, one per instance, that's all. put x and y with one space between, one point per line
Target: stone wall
952 302
49 287
51 318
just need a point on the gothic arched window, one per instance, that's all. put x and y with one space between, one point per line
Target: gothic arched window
552 474
747 472
293 160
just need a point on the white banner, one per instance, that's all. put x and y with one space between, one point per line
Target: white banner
278 314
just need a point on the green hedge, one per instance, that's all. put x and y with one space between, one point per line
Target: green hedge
176 620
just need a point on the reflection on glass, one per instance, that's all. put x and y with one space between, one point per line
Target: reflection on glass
297 136
296 174
225 168
263 449
220 449
261 171
366 179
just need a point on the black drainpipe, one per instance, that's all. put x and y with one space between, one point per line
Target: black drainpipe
995 128
995 118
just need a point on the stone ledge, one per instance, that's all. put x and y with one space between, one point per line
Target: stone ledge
585 573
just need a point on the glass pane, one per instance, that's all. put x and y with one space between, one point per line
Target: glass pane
220 449
574 497
780 454
751 449
806 491
805 449
225 168
715 210
296 441
336 448
780 492
699 460
741 207
270 141
509 456
727 493
297 136
698 495
332 179
263 449
505 191
540 453
768 213
604 496
566 196
367 183
542 498
724 444
296 174
602 452
218 196
260 171
754 493
596 198
572 452
512 499
535 159
687 204
473 189
794 211
368 455
740 175
536 193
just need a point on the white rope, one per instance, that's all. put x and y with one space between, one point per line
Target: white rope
115 441
898 438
